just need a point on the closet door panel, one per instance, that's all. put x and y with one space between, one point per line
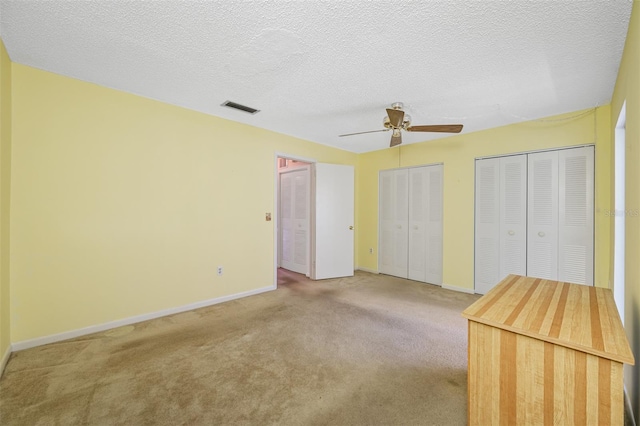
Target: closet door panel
295 219
433 210
575 232
418 223
513 215
386 222
542 233
393 207
487 214
401 222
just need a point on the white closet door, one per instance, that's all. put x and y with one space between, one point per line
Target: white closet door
513 215
542 233
386 214
394 220
418 223
575 232
434 188
401 223
295 219
487 241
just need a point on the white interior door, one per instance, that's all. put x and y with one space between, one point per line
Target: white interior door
434 187
513 215
394 222
487 238
425 224
386 222
295 219
545 220
418 223
575 221
542 216
334 219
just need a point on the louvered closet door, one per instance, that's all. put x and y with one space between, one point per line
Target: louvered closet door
487 233
434 224
295 219
394 219
575 221
513 215
418 223
542 233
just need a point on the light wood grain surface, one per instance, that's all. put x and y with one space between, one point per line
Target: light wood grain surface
580 317
545 352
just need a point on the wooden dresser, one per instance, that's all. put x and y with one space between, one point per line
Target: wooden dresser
546 352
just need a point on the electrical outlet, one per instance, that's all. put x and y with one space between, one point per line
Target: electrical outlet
371 250
219 270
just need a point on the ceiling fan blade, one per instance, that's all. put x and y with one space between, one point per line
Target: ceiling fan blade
443 128
395 117
396 139
362 133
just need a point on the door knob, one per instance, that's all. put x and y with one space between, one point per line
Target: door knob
511 232
351 228
541 234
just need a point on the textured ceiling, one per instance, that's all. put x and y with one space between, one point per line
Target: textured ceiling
317 69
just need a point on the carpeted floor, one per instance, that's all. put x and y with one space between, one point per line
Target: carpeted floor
366 350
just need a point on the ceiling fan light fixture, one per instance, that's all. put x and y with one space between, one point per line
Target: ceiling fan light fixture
397 120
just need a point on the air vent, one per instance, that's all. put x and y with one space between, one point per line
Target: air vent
240 107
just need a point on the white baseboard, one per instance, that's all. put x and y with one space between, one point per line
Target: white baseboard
39 341
460 289
372 271
5 359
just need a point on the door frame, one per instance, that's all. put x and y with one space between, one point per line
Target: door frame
276 210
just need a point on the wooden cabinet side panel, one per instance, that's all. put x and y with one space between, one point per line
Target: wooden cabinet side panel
515 379
484 377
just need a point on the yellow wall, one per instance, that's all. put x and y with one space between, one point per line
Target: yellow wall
458 154
123 206
628 88
5 187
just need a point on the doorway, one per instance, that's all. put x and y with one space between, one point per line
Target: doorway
314 214
294 215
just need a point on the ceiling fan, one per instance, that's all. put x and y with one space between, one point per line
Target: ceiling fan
396 120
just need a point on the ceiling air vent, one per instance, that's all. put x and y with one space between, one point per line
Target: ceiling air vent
240 107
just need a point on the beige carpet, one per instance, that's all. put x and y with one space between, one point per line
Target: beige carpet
367 350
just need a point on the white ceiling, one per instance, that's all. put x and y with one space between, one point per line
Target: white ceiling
317 69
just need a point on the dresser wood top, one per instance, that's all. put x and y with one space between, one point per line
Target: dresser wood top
580 317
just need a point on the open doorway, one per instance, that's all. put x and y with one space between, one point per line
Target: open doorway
314 215
293 215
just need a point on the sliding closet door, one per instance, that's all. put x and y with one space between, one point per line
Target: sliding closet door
394 221
425 224
542 234
487 238
575 221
